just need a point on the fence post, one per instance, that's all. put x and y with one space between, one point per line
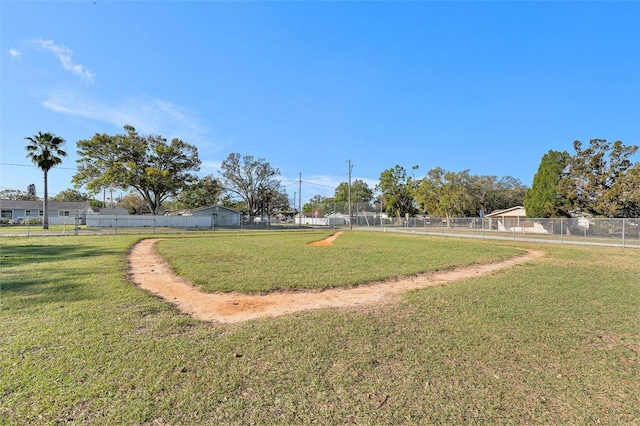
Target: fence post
116 225
623 229
561 229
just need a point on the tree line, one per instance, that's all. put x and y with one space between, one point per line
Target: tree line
157 174
439 193
597 181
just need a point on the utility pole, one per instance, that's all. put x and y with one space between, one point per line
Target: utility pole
350 221
300 200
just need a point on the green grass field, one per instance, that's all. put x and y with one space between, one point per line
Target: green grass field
555 341
262 262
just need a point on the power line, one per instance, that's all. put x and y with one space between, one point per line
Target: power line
318 184
306 182
33 165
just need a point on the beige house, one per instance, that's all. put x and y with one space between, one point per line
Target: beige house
514 219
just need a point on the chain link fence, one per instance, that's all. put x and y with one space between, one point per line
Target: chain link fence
595 231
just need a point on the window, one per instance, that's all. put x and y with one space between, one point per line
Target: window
7 213
63 212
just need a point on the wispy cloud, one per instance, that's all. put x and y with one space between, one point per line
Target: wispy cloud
148 115
64 55
211 165
14 53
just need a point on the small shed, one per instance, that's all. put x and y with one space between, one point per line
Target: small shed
220 215
509 218
514 220
337 219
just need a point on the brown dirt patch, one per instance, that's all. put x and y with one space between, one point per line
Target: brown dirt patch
151 272
327 241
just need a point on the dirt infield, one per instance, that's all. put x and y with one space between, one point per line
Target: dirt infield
151 272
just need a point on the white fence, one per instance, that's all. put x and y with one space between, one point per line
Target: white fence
63 220
137 221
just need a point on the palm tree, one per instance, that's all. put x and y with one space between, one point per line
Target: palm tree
45 151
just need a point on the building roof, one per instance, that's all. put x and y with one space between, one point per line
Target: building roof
217 206
36 205
184 212
113 210
517 211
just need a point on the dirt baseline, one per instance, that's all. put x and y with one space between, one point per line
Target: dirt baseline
151 272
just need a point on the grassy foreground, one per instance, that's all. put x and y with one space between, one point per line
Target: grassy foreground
555 341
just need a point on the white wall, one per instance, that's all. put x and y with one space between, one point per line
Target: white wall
122 221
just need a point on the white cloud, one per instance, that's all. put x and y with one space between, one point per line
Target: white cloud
64 55
148 115
211 165
14 53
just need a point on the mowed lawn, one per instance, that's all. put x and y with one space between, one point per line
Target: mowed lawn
555 341
268 261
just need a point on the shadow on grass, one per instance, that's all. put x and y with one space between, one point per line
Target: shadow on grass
18 288
30 292
22 255
35 273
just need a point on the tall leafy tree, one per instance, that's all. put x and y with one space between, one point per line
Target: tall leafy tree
203 192
16 194
45 150
397 191
279 202
154 168
134 203
623 199
544 198
228 200
71 195
252 180
493 193
12 194
448 194
592 172
31 192
317 203
360 192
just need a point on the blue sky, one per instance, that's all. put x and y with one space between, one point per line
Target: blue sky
485 86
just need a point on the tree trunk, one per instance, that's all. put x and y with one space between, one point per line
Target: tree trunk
45 213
